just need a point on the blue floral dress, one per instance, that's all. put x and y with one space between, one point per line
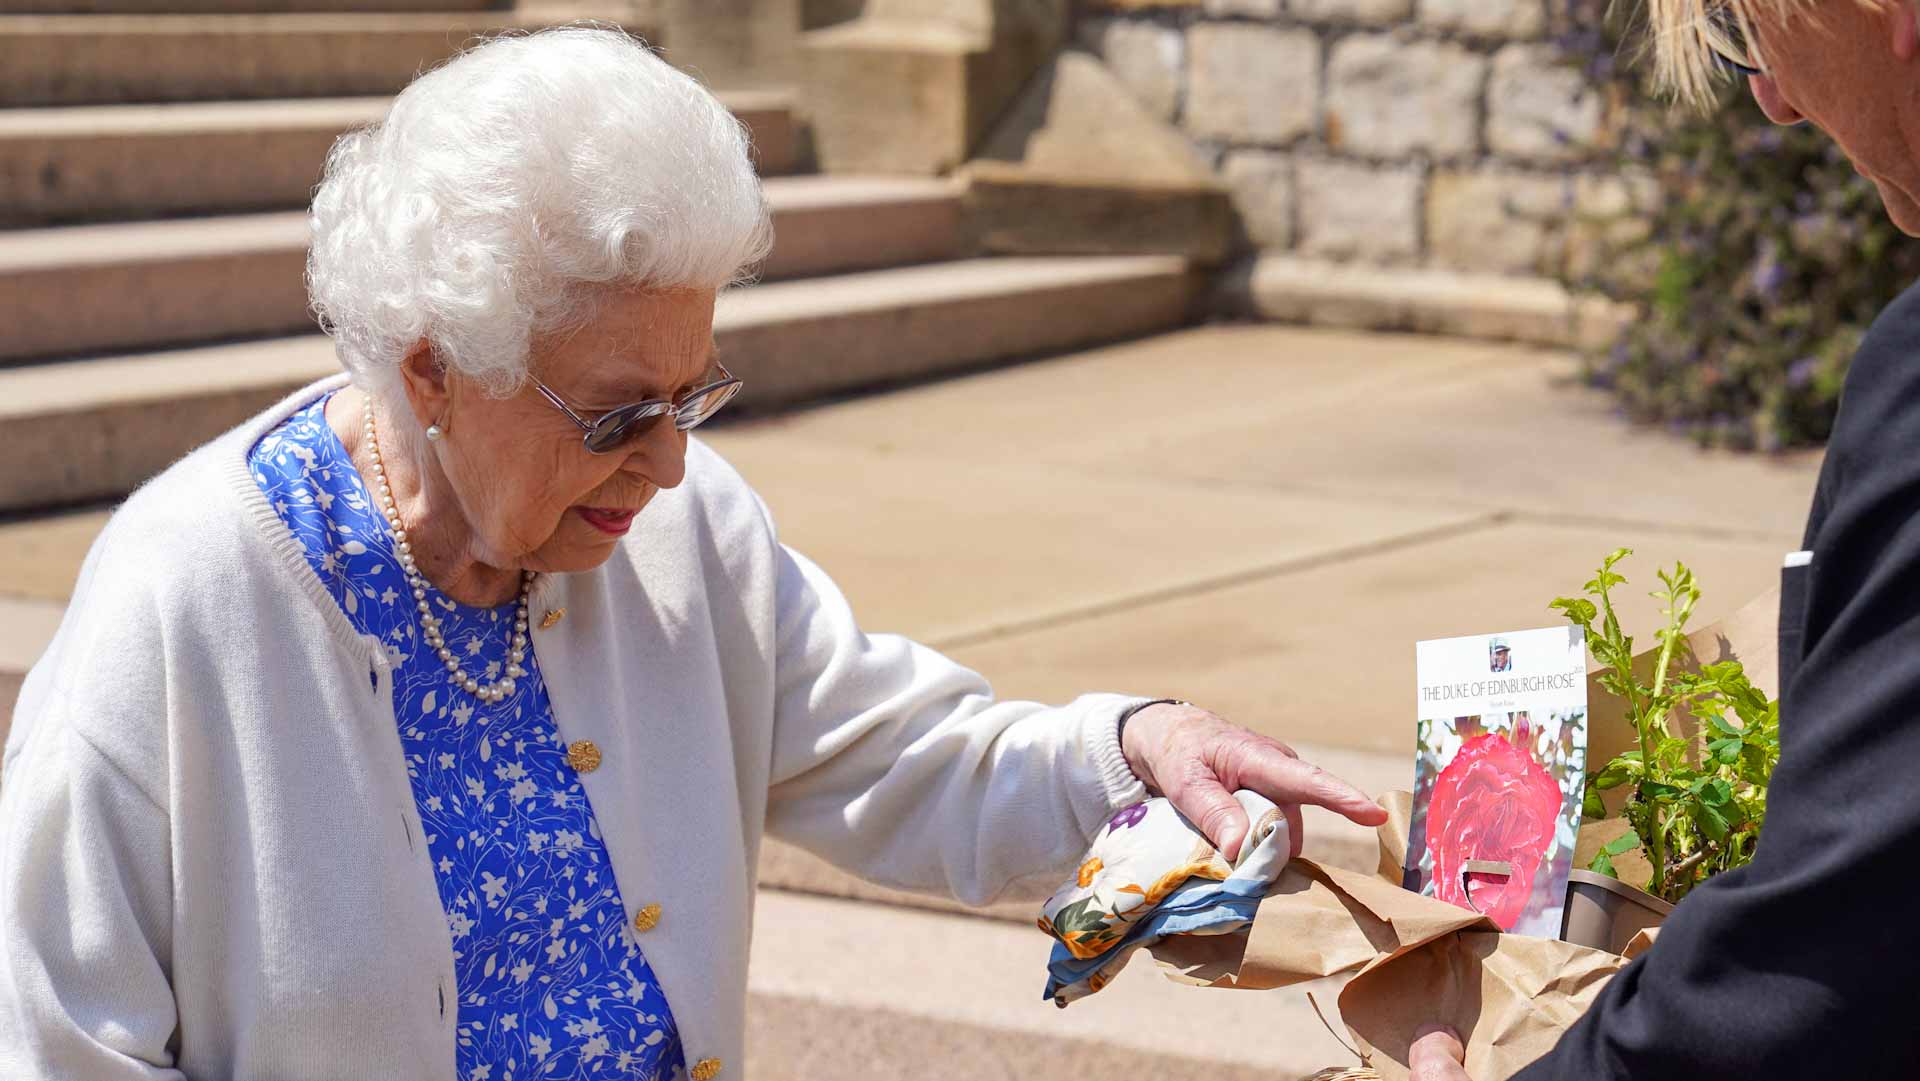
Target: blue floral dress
552 983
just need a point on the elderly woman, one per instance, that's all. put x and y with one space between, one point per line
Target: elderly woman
428 724
1801 965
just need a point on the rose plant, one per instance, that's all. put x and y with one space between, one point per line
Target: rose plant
1695 808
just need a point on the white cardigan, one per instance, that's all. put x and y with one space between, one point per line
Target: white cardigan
210 861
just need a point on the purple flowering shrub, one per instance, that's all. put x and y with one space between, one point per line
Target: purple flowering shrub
1762 260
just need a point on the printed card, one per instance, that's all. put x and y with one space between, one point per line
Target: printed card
1502 741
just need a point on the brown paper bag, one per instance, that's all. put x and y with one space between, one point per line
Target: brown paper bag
1415 960
1394 835
1510 997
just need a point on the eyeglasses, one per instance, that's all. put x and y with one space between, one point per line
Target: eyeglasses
617 427
1727 36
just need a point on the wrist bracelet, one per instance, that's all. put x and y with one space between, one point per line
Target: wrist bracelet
1120 730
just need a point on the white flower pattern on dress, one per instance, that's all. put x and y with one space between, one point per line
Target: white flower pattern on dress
551 980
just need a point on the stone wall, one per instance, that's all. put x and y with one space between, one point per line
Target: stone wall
1443 133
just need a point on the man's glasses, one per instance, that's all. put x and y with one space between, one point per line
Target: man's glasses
1727 36
617 427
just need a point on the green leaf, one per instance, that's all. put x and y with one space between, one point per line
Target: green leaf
1752 706
1716 792
1626 842
1579 610
1615 773
1711 820
1736 815
1721 672
1721 725
1602 864
1603 582
1615 684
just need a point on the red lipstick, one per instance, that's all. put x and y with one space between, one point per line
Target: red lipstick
608 520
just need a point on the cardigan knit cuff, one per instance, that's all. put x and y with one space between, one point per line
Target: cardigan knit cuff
1102 740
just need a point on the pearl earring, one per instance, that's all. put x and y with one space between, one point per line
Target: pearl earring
434 433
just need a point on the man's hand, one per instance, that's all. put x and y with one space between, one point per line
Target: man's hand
1197 760
1437 1055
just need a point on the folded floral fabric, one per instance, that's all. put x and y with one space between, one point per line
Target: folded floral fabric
1149 875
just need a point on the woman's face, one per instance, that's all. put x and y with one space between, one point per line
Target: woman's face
1851 72
532 496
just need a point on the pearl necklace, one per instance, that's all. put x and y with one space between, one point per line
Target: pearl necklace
430 623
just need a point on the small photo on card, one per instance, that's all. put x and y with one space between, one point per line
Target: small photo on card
1501 758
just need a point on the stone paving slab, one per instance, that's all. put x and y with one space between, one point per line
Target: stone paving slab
945 548
1325 655
795 1038
930 971
1014 547
1394 418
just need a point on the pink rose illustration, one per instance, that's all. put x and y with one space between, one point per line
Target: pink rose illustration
1492 802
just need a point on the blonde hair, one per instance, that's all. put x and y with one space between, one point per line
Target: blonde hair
1685 42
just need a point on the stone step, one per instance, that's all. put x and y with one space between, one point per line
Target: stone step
848 989
771 118
816 337
115 59
93 288
1538 311
91 429
102 287
103 162
833 224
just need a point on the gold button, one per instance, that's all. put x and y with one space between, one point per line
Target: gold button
554 615
583 756
646 919
706 1069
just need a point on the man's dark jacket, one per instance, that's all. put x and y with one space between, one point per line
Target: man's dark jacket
1806 964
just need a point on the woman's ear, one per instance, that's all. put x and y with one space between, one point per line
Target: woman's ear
426 382
1906 30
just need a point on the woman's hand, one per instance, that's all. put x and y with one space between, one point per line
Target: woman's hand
1436 1055
1197 760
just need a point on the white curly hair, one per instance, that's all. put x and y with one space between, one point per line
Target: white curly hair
508 187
